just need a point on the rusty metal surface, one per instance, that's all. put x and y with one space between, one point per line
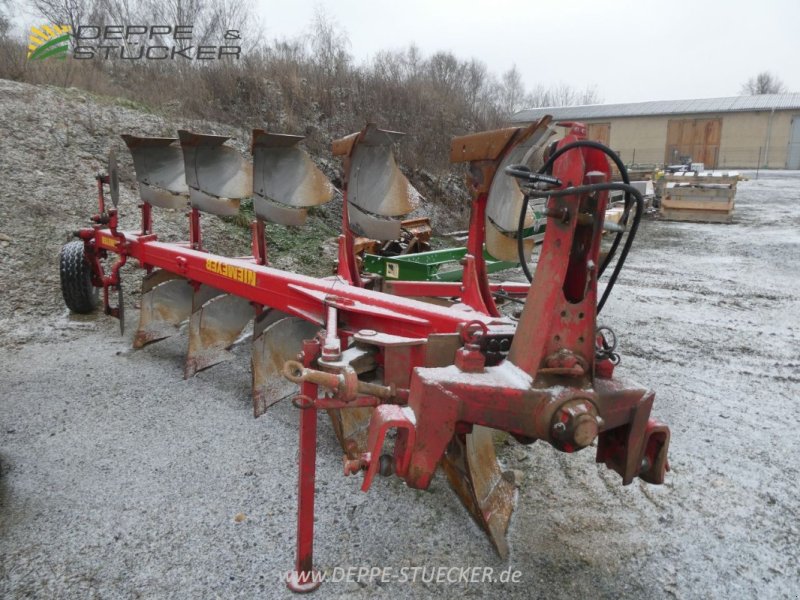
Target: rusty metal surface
343 146
285 173
217 175
351 426
375 183
166 302
159 167
419 228
365 244
505 197
213 328
364 224
474 474
486 145
504 247
440 351
277 338
213 204
278 213
162 198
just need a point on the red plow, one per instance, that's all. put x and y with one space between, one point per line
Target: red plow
414 375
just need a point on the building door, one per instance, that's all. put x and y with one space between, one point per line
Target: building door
697 139
793 154
599 132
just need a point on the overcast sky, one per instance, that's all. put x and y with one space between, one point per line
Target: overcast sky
632 50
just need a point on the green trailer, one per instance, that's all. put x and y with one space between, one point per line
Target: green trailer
444 264
436 265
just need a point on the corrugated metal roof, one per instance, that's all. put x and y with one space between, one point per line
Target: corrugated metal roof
763 102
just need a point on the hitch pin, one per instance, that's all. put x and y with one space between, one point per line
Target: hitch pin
345 386
587 219
611 226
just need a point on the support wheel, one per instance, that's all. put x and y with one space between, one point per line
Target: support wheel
80 295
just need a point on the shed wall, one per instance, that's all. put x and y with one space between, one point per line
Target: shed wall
644 139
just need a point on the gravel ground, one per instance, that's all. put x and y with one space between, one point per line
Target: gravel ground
120 479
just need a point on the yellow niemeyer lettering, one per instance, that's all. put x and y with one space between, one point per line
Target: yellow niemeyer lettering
235 273
108 241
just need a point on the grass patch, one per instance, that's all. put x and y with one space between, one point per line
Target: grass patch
132 104
74 92
298 249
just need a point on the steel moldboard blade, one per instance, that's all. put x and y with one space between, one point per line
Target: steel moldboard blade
277 337
505 197
351 426
213 328
162 198
375 183
503 246
375 228
166 302
214 169
475 475
224 207
285 173
278 213
159 169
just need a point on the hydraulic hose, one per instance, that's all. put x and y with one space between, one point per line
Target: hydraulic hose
631 194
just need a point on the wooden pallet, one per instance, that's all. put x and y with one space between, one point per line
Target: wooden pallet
703 197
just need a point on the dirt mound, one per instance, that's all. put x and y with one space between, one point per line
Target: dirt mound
52 143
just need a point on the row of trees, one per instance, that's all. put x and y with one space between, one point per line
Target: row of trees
310 84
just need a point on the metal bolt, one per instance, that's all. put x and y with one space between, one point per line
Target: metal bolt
559 429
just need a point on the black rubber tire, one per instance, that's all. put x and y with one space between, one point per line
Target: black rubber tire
80 295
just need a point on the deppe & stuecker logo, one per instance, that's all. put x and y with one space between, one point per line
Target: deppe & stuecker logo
129 42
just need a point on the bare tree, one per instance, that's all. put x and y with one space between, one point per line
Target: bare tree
5 21
329 45
561 94
763 83
446 70
476 77
513 92
12 52
65 12
414 60
590 95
